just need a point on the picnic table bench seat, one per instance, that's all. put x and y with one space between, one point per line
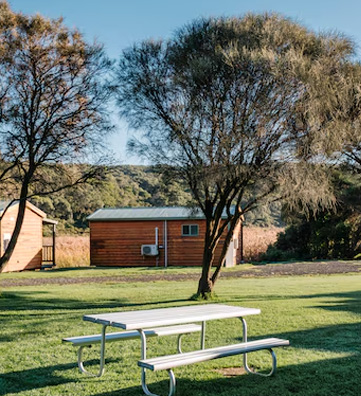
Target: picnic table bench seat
171 361
132 334
89 340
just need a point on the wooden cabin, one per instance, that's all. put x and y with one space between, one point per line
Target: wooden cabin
29 251
152 237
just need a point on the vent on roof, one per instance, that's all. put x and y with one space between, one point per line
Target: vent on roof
150 250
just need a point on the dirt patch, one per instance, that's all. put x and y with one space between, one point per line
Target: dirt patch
231 371
289 269
268 270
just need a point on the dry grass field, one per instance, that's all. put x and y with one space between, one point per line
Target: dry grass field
257 239
73 251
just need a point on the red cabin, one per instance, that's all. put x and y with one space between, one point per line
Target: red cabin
139 237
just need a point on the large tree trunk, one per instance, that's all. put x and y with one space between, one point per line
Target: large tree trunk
208 280
205 285
19 222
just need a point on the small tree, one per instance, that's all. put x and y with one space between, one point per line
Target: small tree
224 105
53 93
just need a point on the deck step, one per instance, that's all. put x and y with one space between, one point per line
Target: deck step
47 266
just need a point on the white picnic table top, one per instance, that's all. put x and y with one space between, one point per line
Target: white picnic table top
142 319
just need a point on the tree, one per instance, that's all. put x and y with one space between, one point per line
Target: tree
328 234
223 104
339 112
53 95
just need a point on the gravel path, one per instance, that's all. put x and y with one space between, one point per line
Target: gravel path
289 269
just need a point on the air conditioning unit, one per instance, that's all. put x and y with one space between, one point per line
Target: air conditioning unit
150 250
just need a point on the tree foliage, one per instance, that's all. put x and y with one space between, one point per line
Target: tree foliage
123 186
333 110
327 234
225 104
119 186
53 93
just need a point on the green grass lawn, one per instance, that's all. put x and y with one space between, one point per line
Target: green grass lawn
85 272
109 271
320 316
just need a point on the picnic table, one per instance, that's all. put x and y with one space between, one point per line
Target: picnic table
144 319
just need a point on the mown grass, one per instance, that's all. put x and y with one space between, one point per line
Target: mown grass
319 315
109 272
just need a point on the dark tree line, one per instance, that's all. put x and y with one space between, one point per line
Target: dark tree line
324 234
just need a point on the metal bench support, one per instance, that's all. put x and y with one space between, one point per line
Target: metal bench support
169 362
245 362
83 370
88 341
102 357
172 380
143 339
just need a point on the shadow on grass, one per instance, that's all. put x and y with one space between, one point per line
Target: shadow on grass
26 301
340 338
346 302
39 377
337 338
321 378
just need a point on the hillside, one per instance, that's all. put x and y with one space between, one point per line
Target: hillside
125 186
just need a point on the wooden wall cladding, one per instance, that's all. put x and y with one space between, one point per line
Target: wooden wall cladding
28 250
118 243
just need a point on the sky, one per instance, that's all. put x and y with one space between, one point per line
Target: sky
119 23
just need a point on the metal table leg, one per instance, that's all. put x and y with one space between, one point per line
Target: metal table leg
245 337
102 357
203 335
144 356
172 381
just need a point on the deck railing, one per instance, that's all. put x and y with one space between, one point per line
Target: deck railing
47 257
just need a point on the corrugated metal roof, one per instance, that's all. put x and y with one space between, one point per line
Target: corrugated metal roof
3 205
165 213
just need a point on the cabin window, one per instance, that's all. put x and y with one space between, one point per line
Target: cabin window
190 230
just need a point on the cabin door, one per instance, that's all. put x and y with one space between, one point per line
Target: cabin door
231 254
6 241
